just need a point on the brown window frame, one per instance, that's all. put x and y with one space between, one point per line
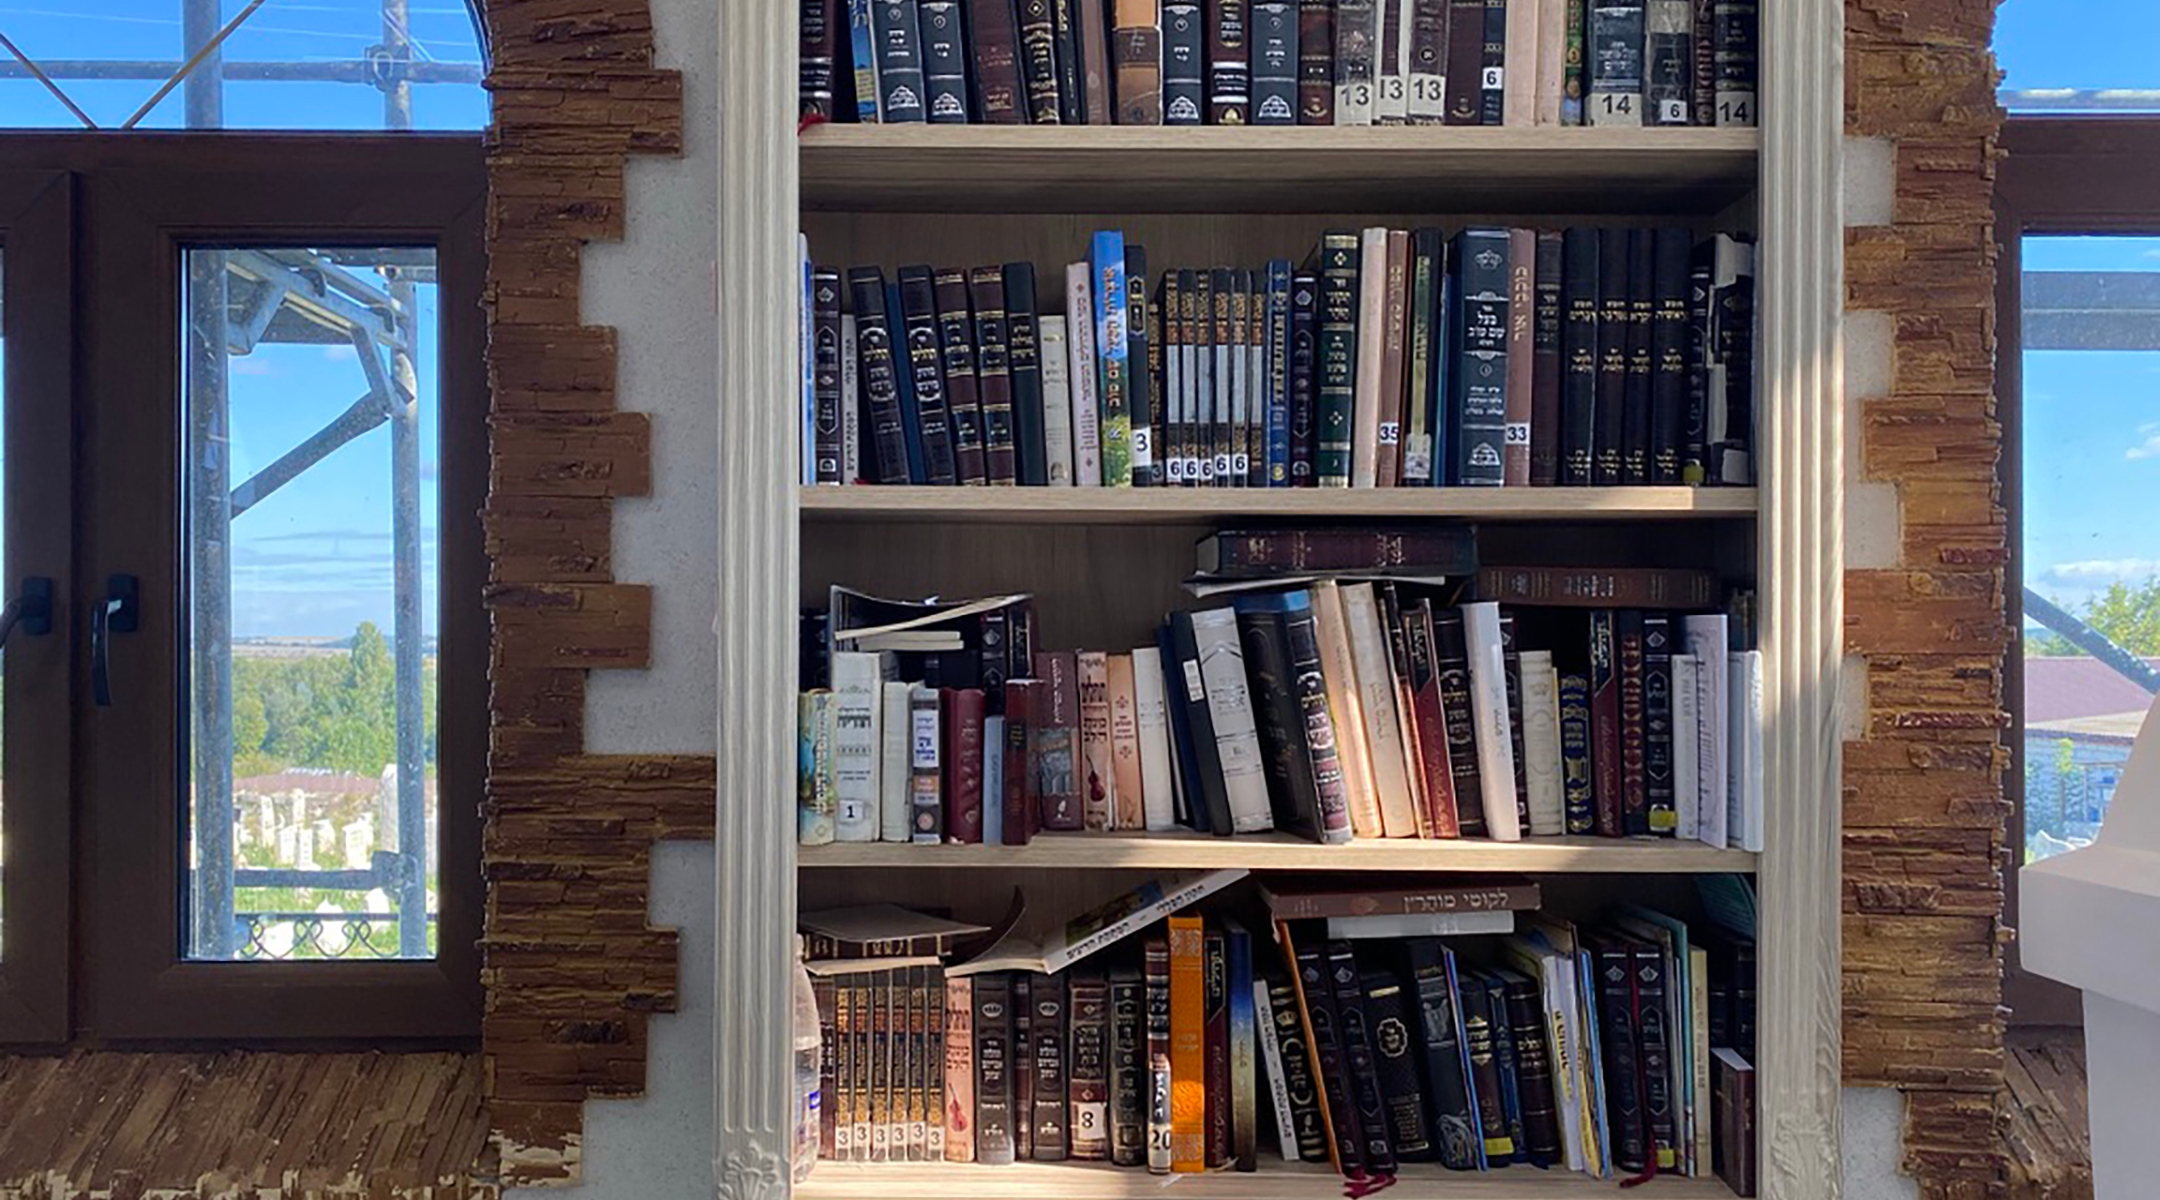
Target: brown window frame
2059 175
142 200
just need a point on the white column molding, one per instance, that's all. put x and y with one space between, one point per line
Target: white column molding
755 597
1801 582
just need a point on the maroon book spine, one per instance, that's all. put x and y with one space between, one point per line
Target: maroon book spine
1057 741
994 39
1605 723
1229 62
1216 1028
1429 724
1094 35
1599 587
1465 61
1316 62
1545 364
1634 738
1023 698
963 731
956 343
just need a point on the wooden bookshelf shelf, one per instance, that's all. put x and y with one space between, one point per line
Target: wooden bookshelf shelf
1174 506
1275 1180
1278 169
1280 852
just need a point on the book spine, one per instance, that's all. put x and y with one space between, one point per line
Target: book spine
1184 63
1128 1068
925 787
1457 1138
1634 739
1734 41
895 773
1356 61
1316 62
1151 720
850 1028
1244 1056
1642 314
1338 357
1427 259
1686 744
1276 351
1578 792
1482 631
962 729
1092 32
1574 65
1694 459
1277 713
1011 435
1511 661
1200 751
825 369
1615 55
1479 1042
851 422
880 374
1504 1060
1265 1017
1215 1025
1023 701
1354 1026
1605 724
976 438
1730 413
934 1041
1229 702
945 62
1304 375
992 795
1274 62
1081 375
1451 667
1143 353
958 1112
1668 350
1521 363
993 38
1127 790
857 746
815 781
1478 402
1039 61
1088 1115
1072 86
1188 1045
1465 61
1658 740
1209 461
1550 85
1023 1067
900 61
1427 101
1155 980
1229 63
927 377
863 42
1316 985
1305 1132
1541 758
1009 351
1579 292
1057 401
1113 358
1049 1034
1408 1123
1391 62
1534 1072
1394 343
1370 323
1547 364
1233 300
1098 771
1301 634
1612 356
1058 761
1593 587
1493 64
826 991
1376 697
1429 726
1136 54
1654 1051
909 1087
1346 710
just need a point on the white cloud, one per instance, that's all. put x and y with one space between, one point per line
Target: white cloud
2102 571
2150 447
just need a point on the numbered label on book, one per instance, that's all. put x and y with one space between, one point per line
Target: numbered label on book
1672 111
1615 108
1494 78
1391 88
1736 109
1518 433
1390 433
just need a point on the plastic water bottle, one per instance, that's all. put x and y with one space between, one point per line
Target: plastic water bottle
808 1047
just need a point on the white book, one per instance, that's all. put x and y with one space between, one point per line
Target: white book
1158 792
1428 86
1371 339
850 403
1389 759
1237 736
1552 22
1057 400
1271 1059
1391 61
1556 977
1346 709
1686 746
1409 925
1541 744
1518 86
1080 375
893 764
858 748
1705 642
1047 943
993 781
1745 821
1489 714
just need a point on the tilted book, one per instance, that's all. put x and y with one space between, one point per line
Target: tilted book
1302 902
1028 943
1316 990
1278 714
1377 697
1346 709
1459 1141
1237 737
1394 1017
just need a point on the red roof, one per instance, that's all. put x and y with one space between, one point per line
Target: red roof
2059 689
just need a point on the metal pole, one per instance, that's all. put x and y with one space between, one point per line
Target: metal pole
407 630
204 88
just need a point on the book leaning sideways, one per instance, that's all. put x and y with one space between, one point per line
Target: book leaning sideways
1027 943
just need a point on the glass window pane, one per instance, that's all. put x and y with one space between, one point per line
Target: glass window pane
2079 55
288 64
311 502
2091 340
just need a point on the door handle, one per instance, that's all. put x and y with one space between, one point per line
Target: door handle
118 612
30 610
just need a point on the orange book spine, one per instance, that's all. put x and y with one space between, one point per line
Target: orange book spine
1188 1047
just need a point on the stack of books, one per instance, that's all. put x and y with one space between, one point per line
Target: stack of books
1443 1021
1280 62
1344 689
1391 358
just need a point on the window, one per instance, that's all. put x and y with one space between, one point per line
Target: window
241 760
2079 56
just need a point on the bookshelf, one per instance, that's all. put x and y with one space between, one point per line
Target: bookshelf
1110 559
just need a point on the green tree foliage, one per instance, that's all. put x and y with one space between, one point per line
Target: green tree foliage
329 711
2127 613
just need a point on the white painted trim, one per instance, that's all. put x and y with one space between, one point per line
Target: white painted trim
1801 585
758 362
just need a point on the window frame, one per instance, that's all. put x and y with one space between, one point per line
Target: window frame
142 200
2065 175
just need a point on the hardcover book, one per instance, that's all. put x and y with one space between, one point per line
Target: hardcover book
862 43
961 728
1346 709
1521 361
880 375
1338 353
1278 711
975 441
1733 41
1598 587
1128 1066
857 745
825 368
1009 344
933 418
1668 62
1275 377
1577 790
1426 360
1465 61
926 802
1612 351
1058 761
1274 62
1136 55
1457 1135
1354 1027
1642 311
1082 377
1112 356
1613 53
1541 744
1579 353
1157 781
1143 353
1429 727
1316 62
1356 61
1428 62
993 37
1088 1115
1127 793
1155 977
1184 63
819 36
945 61
1188 1045
1024 700
1229 62
1451 667
1369 403
1229 701
1377 695
1215 1026
899 61
1479 1040
1316 988
1634 732
1303 1131
1394 1037
1658 739
1533 1069
1048 1035
1671 252
1098 770
1055 370
1547 363
1605 728
1477 400
1200 754
1244 1056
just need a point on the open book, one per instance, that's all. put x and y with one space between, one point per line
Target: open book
1029 942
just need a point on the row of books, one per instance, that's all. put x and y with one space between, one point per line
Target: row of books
1497 357
1184 1043
1326 709
1280 62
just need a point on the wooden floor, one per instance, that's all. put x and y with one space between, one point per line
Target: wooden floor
224 1124
2050 1148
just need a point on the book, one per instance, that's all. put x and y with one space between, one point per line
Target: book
1493 64
1533 1069
1744 821
1606 738
1574 66
1071 73
1439 815
1489 712
1465 73
1317 1009
1050 1063
992 795
1055 371
862 59
1408 1123
1184 63
1422 365
899 61
851 416
1521 360
1009 350
1338 348
1549 89
1546 362
1540 729
1391 64
1612 369
1229 700
926 815
1192 722
1671 253
958 1112
1579 354
857 745
1478 333
1060 770
1023 1004
1618 1026
1457 1137
1634 733
1098 770
1354 1026
1729 376
1039 61
1428 50
1127 787
1274 66
1136 55
994 1057
1733 1088
1276 376
1229 64
1577 789
926 379
895 763
1480 1043
1394 344
1451 675
816 803
1022 805
1386 753
1188 1044
1613 54
1392 927
1049 946
1153 733
1356 61
1128 1065
1112 356
1091 20
1155 979
1504 1060
961 756
945 61
1520 83
1345 706
1270 1013
1370 323
1733 40
1143 352
993 39
1383 897
1260 551
1081 376
1636 399
1293 789
1658 739
825 366
1244 1050
1511 672
826 993
1705 636
1088 1097
879 370
1686 746
1316 62
1668 62
972 432
1304 375
1598 587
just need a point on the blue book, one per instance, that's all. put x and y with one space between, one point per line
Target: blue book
1457 980
910 420
1244 1050
1278 372
1191 813
864 41
806 335
902 92
1113 358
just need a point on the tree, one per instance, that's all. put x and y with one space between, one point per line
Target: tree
2129 614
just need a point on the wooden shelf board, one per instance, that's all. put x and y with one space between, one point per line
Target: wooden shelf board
1083 506
1280 852
1424 168
1274 1181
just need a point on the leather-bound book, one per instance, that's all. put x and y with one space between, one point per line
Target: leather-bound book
1493 64
1308 1131
1023 1067
1129 793
1451 663
1039 60
1049 1034
1579 356
1229 62
1008 437
945 63
1155 980
1504 1058
1304 374
962 725
1023 361
826 991
972 433
1612 357
1634 735
1071 73
880 369
1392 628
1478 335
918 301
820 39
1734 1092
900 63
1339 255
1655 1047
1511 670
1301 637
993 1069
1428 62
1316 985
1484 1067
1734 38
1136 57
1393 1014
1274 62
1671 251
1521 361
1088 1097
1057 742
1316 62
1533 1069
1465 61
994 41
1355 1029
1277 711
1657 642
1642 312
1429 722
1184 63
1023 700
1093 34
1606 765
1275 377
1128 1066
1619 1027
1215 1032
825 370
1598 587
1578 793
1547 365
1458 1139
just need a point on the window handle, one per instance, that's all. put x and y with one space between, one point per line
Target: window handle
116 613
30 610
